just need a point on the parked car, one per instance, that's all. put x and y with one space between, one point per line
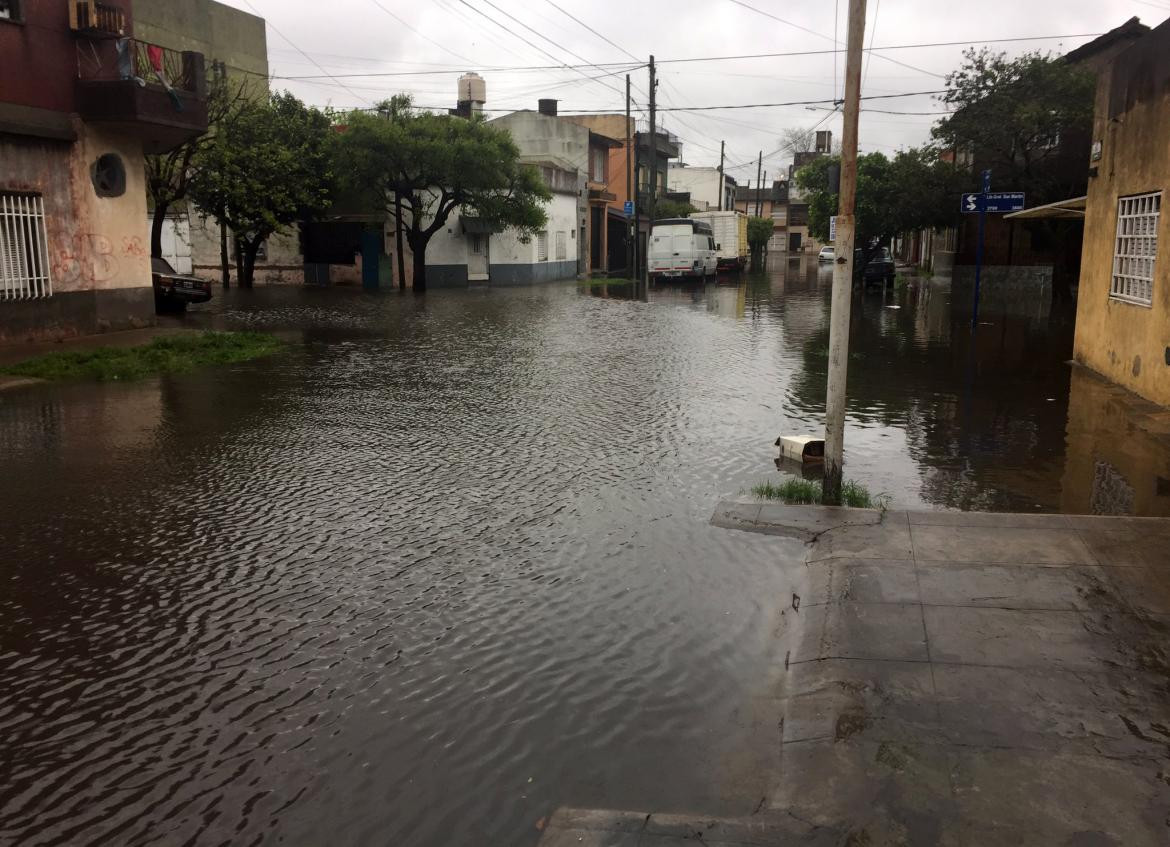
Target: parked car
681 247
173 291
827 254
879 269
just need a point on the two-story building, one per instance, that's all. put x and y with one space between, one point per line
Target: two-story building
81 102
789 219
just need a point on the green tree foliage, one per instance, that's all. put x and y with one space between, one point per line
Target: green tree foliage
914 190
1015 116
436 164
168 175
759 230
667 208
266 169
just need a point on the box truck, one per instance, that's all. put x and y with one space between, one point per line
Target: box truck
730 231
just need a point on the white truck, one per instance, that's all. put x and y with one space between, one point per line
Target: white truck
730 232
681 247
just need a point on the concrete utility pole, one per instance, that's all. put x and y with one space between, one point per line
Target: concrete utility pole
759 181
721 188
652 182
843 269
632 222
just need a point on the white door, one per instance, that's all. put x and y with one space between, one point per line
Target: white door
176 242
477 258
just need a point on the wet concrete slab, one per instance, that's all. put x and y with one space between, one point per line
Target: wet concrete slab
953 678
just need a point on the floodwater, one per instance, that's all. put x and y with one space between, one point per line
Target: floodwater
445 564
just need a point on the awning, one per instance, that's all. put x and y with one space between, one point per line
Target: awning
1073 209
477 226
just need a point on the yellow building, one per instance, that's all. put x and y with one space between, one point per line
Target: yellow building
1123 310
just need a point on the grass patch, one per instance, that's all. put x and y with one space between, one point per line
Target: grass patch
793 490
169 354
600 280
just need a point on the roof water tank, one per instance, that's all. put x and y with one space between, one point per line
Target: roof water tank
472 88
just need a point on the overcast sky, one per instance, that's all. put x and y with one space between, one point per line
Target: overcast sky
351 38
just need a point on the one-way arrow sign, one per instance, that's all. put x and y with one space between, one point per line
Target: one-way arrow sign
993 201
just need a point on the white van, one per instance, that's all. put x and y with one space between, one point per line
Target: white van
681 247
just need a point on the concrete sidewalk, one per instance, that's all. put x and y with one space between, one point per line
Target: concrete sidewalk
955 678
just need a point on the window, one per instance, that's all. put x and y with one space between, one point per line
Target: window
24 248
780 214
597 159
1136 247
542 246
562 247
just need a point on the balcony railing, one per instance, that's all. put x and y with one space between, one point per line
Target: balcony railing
91 17
145 64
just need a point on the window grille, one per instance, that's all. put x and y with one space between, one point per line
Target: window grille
542 246
562 248
24 249
1136 248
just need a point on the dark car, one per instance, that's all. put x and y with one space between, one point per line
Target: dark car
173 291
880 268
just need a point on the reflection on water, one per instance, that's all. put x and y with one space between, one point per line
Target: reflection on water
445 565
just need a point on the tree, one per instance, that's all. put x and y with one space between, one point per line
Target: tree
667 208
395 109
1014 116
168 175
797 139
914 190
759 231
434 165
268 168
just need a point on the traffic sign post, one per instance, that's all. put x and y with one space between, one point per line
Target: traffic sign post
983 202
629 208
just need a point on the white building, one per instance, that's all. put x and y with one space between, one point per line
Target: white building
703 184
467 251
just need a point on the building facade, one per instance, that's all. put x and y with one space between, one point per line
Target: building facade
235 47
1123 305
81 102
707 189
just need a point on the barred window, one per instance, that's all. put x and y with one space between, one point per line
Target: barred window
24 248
542 246
562 247
1136 248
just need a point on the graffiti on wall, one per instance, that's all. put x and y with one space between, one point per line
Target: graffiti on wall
91 259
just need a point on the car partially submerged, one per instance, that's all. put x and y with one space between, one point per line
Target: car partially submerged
879 268
173 291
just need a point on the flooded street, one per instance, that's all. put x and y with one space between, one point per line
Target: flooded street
446 564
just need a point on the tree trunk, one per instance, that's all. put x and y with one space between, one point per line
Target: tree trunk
242 279
224 266
398 238
251 248
156 228
420 268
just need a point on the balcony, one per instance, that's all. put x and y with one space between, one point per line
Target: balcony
156 94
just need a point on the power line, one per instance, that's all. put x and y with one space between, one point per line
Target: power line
442 47
592 30
821 35
248 3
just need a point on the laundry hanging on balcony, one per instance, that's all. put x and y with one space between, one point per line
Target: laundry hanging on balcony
125 51
154 54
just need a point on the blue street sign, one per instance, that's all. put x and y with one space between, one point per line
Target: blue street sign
629 207
993 201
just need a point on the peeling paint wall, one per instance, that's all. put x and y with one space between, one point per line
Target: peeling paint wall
95 243
1126 342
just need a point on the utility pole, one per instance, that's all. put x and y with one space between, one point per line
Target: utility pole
759 181
721 188
843 269
652 183
632 221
